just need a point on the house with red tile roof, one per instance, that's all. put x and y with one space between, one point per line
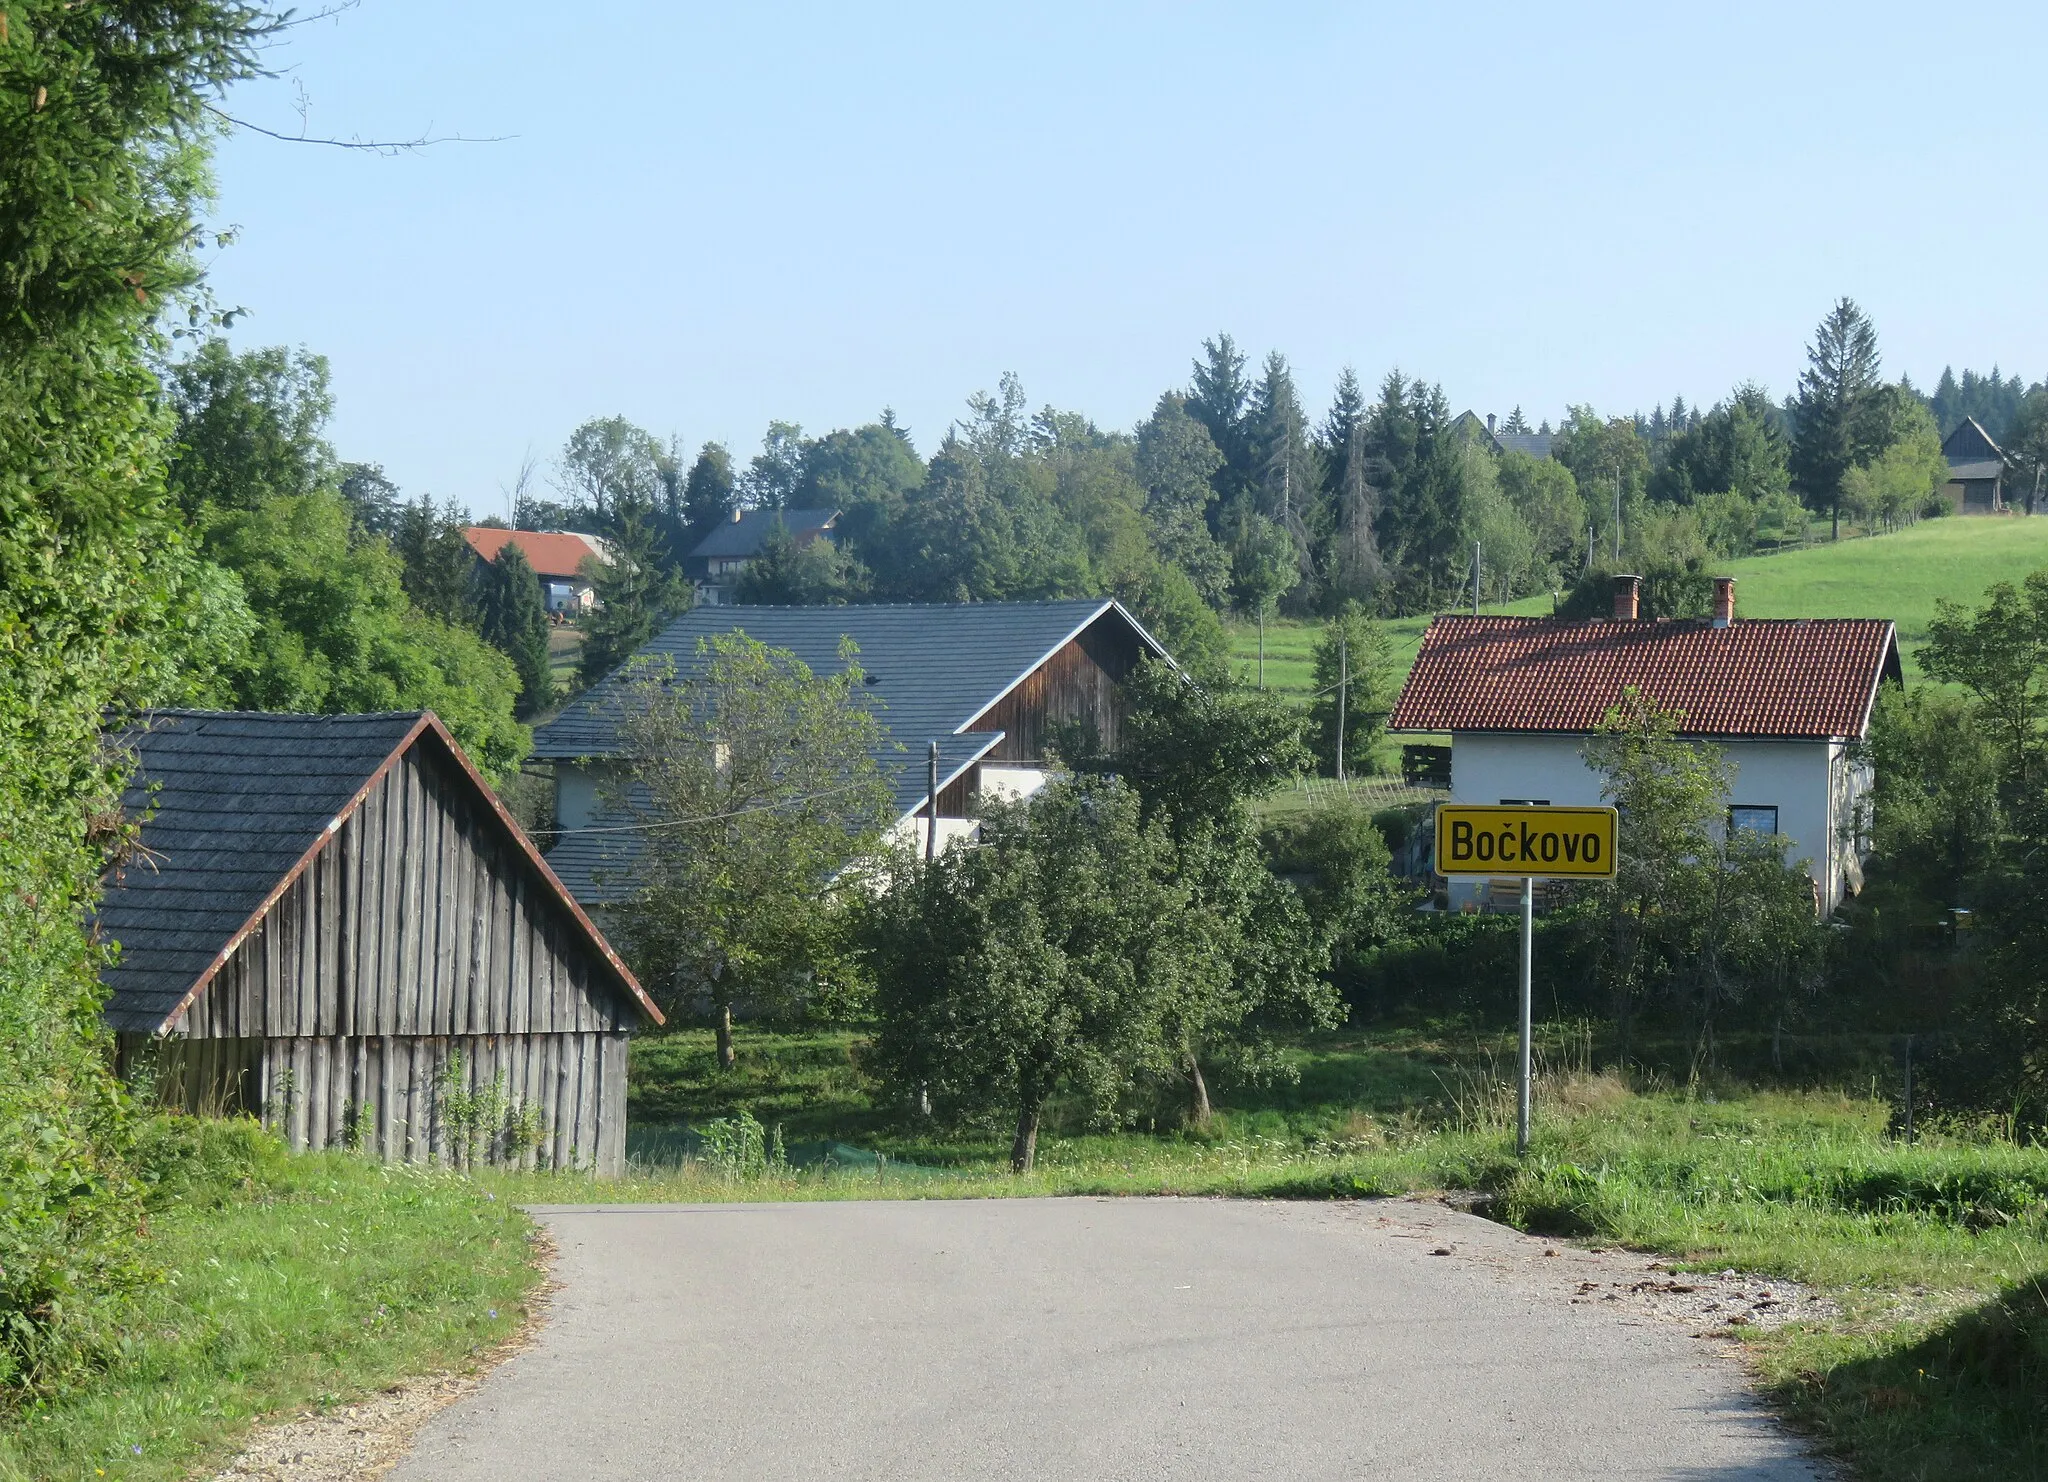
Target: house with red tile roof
1783 699
558 558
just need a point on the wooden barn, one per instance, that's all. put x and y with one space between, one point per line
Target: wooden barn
332 923
985 680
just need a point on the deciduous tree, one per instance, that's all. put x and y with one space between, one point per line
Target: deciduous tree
750 783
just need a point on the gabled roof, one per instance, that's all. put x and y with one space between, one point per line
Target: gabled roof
236 805
746 535
932 670
1535 444
1756 678
1968 442
552 553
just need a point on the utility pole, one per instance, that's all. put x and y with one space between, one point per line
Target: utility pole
931 833
1475 578
1617 509
1262 642
1522 1090
1343 684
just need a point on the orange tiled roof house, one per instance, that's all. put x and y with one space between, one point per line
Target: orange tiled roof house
1784 699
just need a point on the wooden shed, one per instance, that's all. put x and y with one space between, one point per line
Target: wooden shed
332 923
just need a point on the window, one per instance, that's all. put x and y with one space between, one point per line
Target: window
1756 820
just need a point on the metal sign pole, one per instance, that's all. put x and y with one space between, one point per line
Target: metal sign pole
1528 998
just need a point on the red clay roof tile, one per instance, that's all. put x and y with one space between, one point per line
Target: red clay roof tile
1794 678
556 553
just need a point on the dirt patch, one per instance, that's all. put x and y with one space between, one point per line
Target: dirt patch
352 1443
1628 1284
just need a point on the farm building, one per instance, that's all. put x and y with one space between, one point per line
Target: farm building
1783 699
332 923
1976 470
986 680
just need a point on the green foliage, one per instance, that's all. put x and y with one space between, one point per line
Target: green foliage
1165 599
289 1284
752 782
513 615
708 494
1355 654
1699 913
439 562
1842 416
1176 461
336 633
1195 752
814 574
101 178
1894 487
1043 963
636 592
250 427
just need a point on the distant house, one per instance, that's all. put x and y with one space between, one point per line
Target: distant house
1535 444
558 557
722 557
1976 470
1783 699
986 680
331 922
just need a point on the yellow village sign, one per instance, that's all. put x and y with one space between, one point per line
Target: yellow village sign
1514 840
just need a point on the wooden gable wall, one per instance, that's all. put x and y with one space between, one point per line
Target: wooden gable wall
417 918
1076 685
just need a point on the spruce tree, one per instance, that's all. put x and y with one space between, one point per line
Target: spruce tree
1833 411
514 616
636 593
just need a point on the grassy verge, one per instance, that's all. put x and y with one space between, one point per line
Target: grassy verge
1936 1253
286 1283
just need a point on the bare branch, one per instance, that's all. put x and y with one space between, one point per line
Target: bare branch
367 146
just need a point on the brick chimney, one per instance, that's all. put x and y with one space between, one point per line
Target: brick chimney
1627 589
1724 601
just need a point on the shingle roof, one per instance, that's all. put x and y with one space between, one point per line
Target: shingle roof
744 536
1970 470
1791 678
236 803
932 668
556 553
1535 444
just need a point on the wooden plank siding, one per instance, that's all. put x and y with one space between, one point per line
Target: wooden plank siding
435 879
1077 685
416 931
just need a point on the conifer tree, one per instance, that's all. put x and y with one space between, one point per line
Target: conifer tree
515 617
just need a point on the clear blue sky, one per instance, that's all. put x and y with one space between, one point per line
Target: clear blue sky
711 215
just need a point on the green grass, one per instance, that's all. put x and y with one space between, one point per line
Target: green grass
286 1283
1936 1253
1897 576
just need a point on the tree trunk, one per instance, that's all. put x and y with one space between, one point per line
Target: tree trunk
1024 1150
1778 1045
725 1055
1198 1094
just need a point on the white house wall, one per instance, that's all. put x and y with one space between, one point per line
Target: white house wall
1010 783
1810 783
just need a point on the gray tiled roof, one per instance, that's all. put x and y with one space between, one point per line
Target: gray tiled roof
1980 468
237 799
1535 444
743 537
931 668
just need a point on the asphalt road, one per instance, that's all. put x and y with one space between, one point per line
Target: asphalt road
1077 1338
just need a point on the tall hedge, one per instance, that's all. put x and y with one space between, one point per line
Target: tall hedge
103 125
